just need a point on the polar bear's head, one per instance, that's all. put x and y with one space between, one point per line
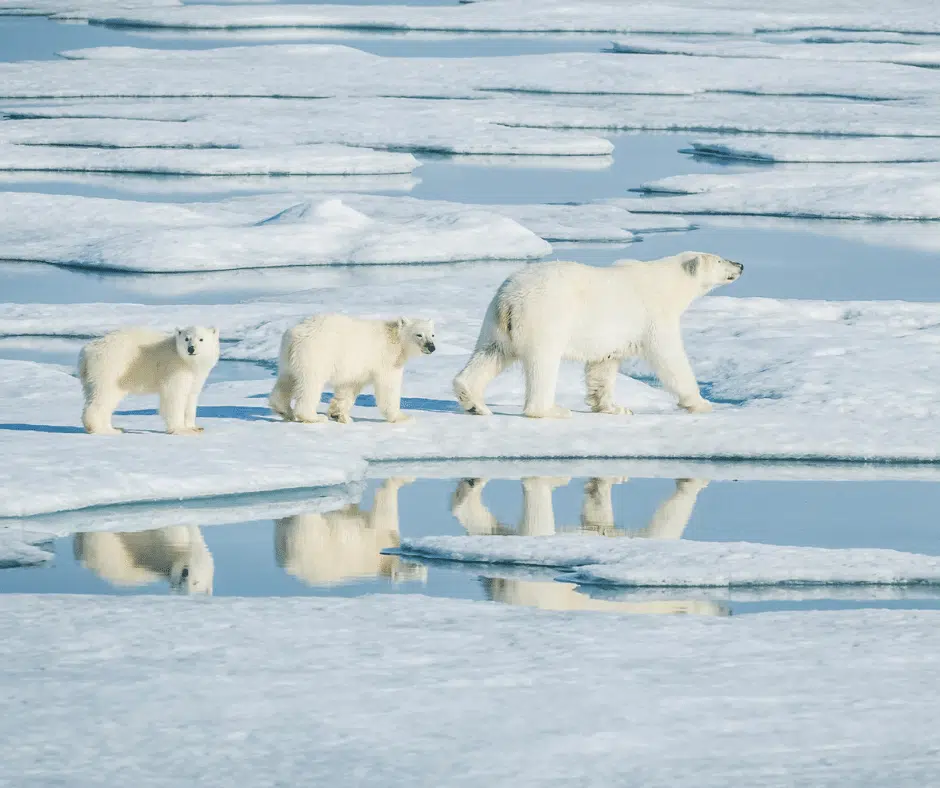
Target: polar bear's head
193 574
416 335
709 270
197 343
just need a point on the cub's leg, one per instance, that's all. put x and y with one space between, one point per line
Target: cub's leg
100 404
344 397
388 395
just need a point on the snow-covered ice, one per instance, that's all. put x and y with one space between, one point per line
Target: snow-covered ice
316 690
877 191
640 562
273 160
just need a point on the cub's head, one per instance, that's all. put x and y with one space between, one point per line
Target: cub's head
197 342
416 334
709 270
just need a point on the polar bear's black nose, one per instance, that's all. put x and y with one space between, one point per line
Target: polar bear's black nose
430 347
192 350
739 265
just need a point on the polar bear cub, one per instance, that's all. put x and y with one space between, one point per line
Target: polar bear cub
141 361
350 353
553 311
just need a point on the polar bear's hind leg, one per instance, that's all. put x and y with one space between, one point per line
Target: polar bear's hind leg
281 397
600 379
471 382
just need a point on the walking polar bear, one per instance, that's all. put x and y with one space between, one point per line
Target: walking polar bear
350 353
562 310
141 361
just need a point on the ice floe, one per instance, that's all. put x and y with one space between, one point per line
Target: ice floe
877 191
776 148
273 160
598 560
405 668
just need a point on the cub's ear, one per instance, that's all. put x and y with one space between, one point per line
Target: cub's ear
179 331
214 330
691 266
402 322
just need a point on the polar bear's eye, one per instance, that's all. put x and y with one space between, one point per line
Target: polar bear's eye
200 339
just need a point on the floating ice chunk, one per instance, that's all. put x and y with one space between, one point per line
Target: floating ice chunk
275 160
810 191
774 148
598 560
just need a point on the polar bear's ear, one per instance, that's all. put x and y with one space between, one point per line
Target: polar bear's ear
402 322
690 266
214 330
178 331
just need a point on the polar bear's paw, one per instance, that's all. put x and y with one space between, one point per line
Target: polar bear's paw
554 412
340 418
104 431
615 410
184 431
697 406
399 418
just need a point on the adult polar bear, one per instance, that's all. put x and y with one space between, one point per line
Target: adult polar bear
554 311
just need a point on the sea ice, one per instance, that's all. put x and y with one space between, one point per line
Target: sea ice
315 685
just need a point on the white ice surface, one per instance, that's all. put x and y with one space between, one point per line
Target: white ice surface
323 71
407 690
273 160
860 150
253 232
598 560
516 16
448 127
794 380
876 191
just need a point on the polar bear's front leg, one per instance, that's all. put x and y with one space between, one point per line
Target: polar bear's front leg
600 379
388 395
541 381
174 395
192 401
666 354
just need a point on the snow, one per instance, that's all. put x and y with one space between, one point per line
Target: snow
266 231
639 562
322 691
878 191
808 150
274 160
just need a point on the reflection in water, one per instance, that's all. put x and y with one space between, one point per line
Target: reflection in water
333 547
597 516
597 510
175 553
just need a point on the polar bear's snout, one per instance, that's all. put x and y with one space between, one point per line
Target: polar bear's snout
428 347
737 270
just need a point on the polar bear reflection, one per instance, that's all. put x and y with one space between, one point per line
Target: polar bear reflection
175 553
333 547
597 515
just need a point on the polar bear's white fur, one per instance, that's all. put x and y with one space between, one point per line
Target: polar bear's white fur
549 312
333 547
350 353
176 553
141 361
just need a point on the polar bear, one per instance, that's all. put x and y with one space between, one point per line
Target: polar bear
141 361
346 544
562 310
350 353
176 553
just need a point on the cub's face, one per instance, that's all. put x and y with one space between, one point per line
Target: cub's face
710 270
418 334
193 576
197 342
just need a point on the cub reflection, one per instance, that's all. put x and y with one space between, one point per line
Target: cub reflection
333 547
551 595
597 511
175 553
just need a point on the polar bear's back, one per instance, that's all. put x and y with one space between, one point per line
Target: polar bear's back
135 359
